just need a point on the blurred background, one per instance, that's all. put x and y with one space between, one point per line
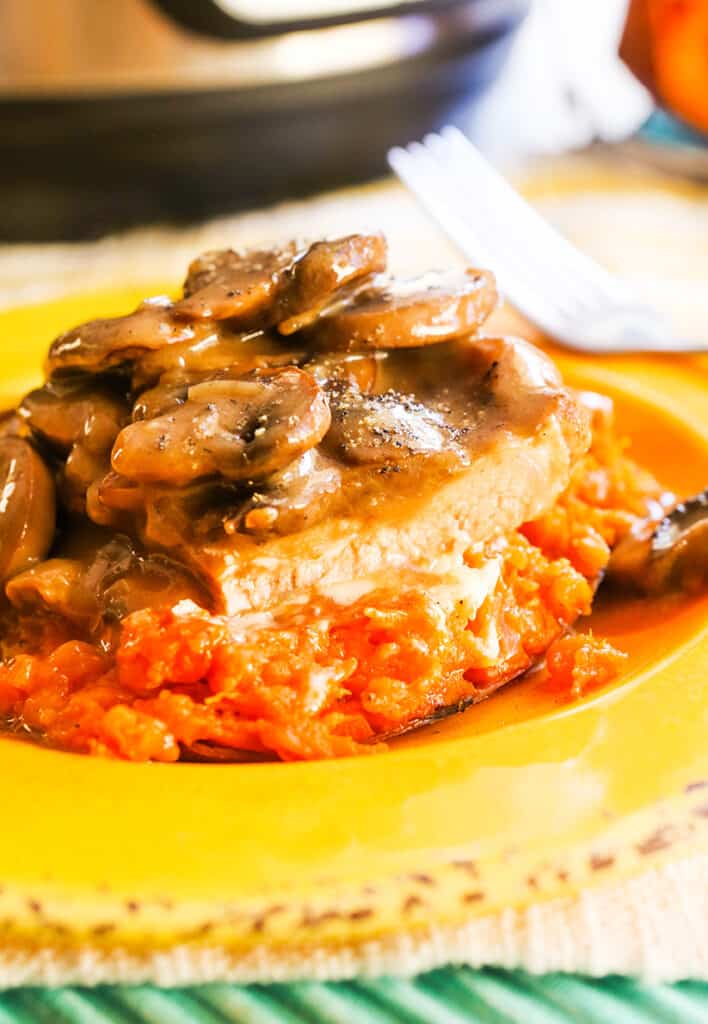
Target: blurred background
142 111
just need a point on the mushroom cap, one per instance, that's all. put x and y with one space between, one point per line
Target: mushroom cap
406 314
65 412
240 429
27 506
102 345
287 286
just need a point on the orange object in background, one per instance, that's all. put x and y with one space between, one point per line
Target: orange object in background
665 44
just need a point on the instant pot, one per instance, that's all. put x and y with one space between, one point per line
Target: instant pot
113 114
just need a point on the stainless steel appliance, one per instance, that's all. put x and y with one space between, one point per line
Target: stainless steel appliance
139 110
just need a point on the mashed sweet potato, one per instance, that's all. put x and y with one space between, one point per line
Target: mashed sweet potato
607 493
324 681
327 680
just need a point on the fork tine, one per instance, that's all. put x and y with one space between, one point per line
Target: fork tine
429 180
487 218
557 287
466 222
417 169
511 250
569 266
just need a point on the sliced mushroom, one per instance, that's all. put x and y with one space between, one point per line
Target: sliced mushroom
220 351
118 493
83 417
101 345
11 424
386 428
151 581
360 370
286 286
81 469
238 429
172 388
163 517
226 284
168 394
670 555
404 314
27 506
51 585
291 500
115 502
520 380
64 412
325 269
108 582
176 517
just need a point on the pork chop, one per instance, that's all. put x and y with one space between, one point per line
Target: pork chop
502 434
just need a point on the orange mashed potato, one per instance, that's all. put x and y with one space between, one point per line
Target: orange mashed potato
330 681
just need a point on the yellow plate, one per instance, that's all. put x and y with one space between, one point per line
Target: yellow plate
518 800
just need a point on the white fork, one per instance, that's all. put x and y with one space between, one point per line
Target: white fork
562 291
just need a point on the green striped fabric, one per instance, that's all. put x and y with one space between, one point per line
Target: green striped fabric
451 996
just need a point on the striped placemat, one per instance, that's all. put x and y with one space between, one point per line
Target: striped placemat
451 996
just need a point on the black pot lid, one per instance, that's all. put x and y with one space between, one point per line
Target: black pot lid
242 19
